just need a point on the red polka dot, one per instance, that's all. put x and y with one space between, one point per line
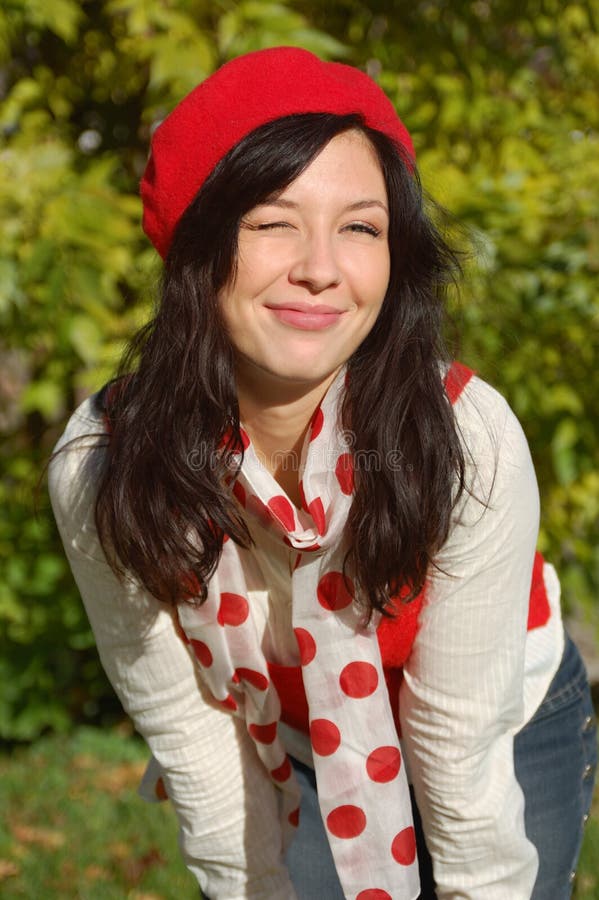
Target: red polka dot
282 509
374 894
325 736
256 679
233 610
190 586
359 679
316 510
239 492
293 817
283 772
229 439
229 703
344 471
383 764
316 424
245 441
160 790
334 591
306 645
264 734
303 500
179 629
403 848
217 532
225 439
346 821
202 651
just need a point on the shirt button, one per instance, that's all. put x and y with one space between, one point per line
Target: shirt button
587 771
585 818
571 877
587 724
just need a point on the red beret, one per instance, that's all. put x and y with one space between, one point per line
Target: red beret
242 95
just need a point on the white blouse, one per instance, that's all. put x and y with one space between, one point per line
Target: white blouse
474 678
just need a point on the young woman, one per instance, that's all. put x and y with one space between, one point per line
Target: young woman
301 534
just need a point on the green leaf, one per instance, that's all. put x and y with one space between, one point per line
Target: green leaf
563 450
44 397
59 16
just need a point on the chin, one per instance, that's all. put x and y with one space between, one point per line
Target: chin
305 374
309 370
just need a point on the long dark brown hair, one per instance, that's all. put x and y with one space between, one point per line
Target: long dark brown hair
163 518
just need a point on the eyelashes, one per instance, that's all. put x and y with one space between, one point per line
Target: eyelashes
363 228
264 226
353 227
270 226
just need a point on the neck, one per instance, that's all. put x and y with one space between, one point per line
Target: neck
276 416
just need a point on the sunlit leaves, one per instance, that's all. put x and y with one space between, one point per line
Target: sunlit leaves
81 86
254 25
502 106
29 18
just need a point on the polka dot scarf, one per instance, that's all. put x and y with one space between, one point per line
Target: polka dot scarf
362 785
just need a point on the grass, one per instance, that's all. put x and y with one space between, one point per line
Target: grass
74 827
587 883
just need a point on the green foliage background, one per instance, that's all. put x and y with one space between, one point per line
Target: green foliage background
501 98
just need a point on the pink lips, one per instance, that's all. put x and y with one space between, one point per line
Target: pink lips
306 316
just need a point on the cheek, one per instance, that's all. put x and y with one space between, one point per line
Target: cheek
374 278
233 312
236 298
385 269
259 263
225 302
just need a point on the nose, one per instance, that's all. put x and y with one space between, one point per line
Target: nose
316 265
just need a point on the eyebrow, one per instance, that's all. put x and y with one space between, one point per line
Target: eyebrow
351 207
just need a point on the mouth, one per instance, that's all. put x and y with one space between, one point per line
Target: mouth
306 316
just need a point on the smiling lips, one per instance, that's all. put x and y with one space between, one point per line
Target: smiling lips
307 316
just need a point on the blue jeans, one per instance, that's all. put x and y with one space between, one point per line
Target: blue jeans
555 758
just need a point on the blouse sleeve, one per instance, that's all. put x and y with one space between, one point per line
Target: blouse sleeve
226 805
462 696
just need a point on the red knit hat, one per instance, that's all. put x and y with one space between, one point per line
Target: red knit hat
242 95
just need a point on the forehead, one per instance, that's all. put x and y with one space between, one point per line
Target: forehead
345 167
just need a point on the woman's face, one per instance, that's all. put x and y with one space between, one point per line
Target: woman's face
313 269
